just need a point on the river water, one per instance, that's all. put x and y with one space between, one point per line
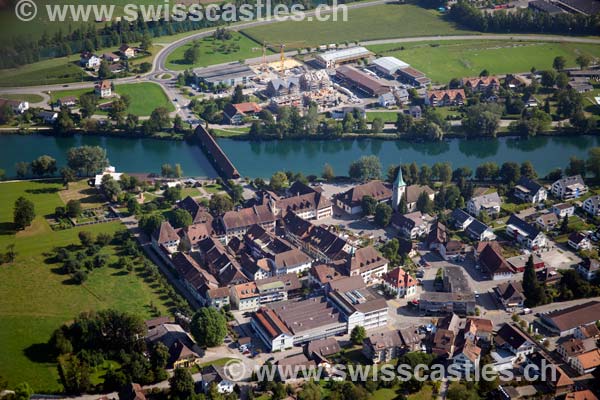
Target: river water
261 159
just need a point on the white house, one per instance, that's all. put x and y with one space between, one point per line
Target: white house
400 283
563 209
461 219
477 230
570 187
166 237
213 375
525 234
513 340
589 268
387 100
466 358
579 241
591 205
490 203
103 89
530 191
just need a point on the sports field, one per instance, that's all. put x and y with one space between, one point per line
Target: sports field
212 52
369 23
35 298
444 60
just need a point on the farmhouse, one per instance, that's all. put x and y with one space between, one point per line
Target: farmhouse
331 59
234 114
103 89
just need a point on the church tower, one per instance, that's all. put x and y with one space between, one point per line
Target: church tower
399 190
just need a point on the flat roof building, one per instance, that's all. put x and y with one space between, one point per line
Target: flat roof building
230 75
389 65
331 59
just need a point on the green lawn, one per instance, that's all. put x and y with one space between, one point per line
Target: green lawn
231 132
49 72
212 52
35 298
444 60
386 116
32 98
369 23
145 97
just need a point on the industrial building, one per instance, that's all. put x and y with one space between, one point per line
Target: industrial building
359 80
389 66
229 75
331 59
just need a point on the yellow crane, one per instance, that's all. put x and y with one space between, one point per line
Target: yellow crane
273 46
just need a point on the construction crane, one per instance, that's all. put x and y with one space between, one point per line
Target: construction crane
263 65
273 46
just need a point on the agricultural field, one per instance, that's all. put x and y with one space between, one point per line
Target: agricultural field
36 298
444 60
213 51
393 21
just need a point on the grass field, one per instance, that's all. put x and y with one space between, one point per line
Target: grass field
386 116
145 97
32 98
212 52
445 60
369 23
35 298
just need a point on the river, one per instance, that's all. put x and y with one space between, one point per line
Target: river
256 159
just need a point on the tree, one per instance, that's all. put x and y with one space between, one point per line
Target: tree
86 238
151 223
110 187
358 334
568 103
87 160
180 218
88 102
310 391
177 171
22 169
238 95
564 225
181 385
404 123
576 166
104 71
368 205
73 209
534 292
328 173
24 213
64 123
177 124
22 392
366 168
482 119
166 170
562 80
548 78
527 170
377 125
146 42
593 161
424 203
209 327
192 53
510 172
559 63
219 204
278 181
583 60
68 175
383 214
43 165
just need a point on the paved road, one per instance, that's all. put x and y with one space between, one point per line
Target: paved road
535 38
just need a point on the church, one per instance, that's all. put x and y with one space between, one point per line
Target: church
410 193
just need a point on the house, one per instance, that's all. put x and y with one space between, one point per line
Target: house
572 347
591 205
493 262
89 60
565 321
351 200
524 233
579 241
547 221
512 339
320 275
368 263
323 348
305 202
518 263
400 283
439 239
234 114
457 297
237 223
412 225
557 382
411 340
587 362
414 111
530 191
245 297
386 100
166 237
67 101
570 187
516 81
466 358
381 347
589 268
548 276
482 84
479 231
460 219
127 51
183 351
217 297
103 89
510 294
48 117
216 375
115 68
479 329
357 111
449 97
314 80
111 57
17 106
587 331
194 277
402 96
490 203
580 85
563 210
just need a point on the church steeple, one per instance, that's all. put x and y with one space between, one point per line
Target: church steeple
398 190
